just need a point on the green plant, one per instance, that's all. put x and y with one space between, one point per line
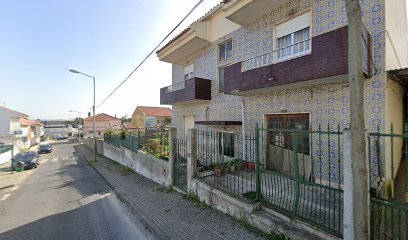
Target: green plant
125 170
192 197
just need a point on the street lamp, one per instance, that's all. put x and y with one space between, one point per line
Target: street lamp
93 109
79 117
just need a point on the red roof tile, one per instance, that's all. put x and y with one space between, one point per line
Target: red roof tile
10 110
156 111
101 117
25 121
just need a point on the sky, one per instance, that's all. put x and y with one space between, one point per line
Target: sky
40 40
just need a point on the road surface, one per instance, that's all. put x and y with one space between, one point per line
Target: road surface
64 198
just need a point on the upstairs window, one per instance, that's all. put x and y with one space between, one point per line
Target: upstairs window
293 37
221 80
225 50
189 72
293 44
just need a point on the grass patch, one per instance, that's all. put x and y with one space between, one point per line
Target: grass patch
169 190
192 197
269 236
125 170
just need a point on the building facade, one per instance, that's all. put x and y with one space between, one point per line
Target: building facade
150 119
103 122
284 64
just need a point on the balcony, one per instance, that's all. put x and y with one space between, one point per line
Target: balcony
192 90
322 59
244 11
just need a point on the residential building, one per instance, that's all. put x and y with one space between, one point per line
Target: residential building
103 122
150 119
17 129
55 128
283 65
31 132
10 121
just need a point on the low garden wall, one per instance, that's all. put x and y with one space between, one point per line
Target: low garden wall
147 165
99 145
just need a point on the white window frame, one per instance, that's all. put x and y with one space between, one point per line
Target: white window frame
223 45
188 71
293 44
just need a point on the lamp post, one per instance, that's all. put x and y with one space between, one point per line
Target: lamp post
93 109
79 117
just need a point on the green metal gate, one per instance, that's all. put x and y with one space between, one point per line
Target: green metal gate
299 172
180 164
388 153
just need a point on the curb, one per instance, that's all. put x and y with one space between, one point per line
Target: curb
123 199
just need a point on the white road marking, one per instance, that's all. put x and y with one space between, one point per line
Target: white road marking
65 158
5 196
54 159
14 188
45 160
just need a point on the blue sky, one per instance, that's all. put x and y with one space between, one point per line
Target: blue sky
40 40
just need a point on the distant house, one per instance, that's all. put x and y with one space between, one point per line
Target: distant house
147 119
31 132
54 128
17 129
10 121
102 123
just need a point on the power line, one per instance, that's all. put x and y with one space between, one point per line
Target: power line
158 45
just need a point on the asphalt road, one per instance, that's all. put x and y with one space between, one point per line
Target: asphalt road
63 198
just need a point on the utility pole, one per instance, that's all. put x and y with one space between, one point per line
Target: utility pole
361 198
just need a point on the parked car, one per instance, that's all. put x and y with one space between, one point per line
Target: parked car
30 159
45 148
61 137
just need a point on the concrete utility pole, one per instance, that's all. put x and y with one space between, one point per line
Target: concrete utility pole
361 198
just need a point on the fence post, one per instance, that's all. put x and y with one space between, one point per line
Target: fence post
172 139
257 170
191 156
348 225
295 151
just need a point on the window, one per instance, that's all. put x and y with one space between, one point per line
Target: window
226 144
189 72
221 80
278 122
293 44
225 50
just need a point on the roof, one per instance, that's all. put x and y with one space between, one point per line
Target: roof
101 117
25 121
13 111
156 111
211 11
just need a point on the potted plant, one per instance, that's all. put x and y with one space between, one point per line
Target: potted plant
232 166
250 165
218 170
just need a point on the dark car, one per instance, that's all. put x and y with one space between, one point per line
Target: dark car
45 148
30 159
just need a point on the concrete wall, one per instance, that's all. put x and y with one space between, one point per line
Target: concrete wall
394 113
142 163
396 34
5 157
99 145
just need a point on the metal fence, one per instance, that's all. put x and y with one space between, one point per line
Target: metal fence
180 163
129 141
389 184
297 172
5 148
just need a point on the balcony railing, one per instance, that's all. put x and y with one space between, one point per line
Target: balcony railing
279 55
176 86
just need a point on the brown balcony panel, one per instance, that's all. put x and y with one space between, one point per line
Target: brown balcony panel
328 58
195 89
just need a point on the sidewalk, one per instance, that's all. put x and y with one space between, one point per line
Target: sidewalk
164 212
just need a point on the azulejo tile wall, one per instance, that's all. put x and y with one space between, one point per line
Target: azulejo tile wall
327 104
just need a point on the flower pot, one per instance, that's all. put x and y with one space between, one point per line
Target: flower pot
250 165
218 172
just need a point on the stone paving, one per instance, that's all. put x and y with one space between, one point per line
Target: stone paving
166 213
